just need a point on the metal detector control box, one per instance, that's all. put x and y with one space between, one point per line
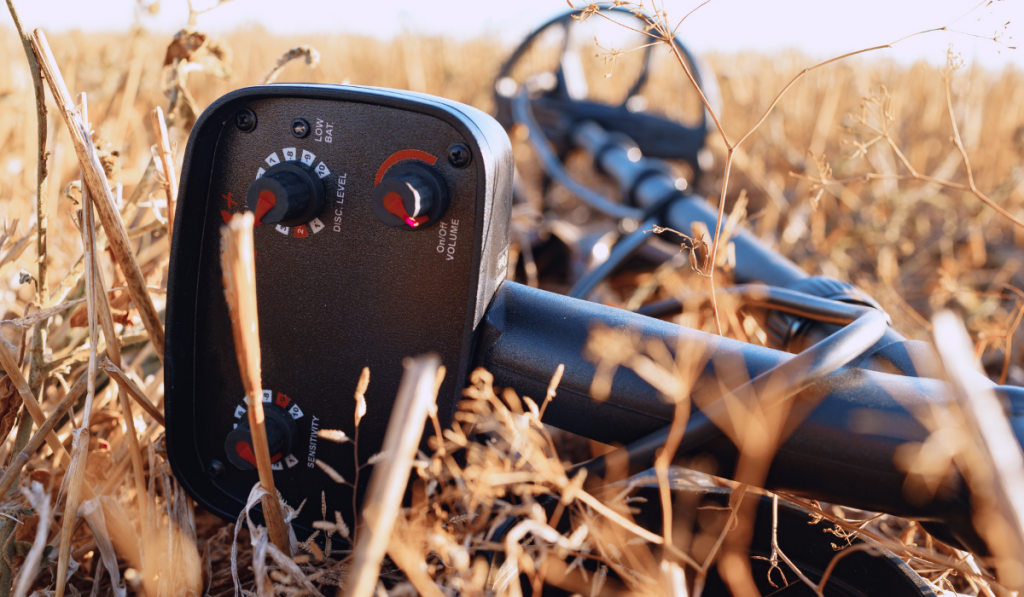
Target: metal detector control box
382 233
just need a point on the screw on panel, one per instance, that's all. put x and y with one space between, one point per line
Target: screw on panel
459 155
300 127
245 120
215 469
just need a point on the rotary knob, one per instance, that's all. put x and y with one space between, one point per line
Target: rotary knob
280 431
411 196
289 193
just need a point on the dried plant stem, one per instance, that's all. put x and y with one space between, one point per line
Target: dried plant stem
133 390
309 53
660 30
113 356
39 498
95 181
989 456
909 551
239 271
80 450
42 285
948 79
9 524
100 297
412 564
13 470
76 469
36 376
163 146
9 363
664 460
390 476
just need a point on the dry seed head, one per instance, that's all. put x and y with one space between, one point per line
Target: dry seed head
335 435
364 382
333 474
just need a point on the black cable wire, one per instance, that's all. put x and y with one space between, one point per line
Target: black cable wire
865 327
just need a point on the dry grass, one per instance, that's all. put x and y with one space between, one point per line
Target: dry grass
832 178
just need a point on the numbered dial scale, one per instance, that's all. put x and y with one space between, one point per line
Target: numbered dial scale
370 247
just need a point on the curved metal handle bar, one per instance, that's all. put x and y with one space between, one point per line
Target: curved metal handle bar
522 113
865 327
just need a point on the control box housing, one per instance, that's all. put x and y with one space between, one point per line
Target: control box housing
341 292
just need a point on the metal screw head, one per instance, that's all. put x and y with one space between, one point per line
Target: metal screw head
459 155
215 469
245 120
300 127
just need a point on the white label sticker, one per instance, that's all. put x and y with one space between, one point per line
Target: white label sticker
277 466
291 460
321 170
268 396
316 225
308 157
273 160
239 412
282 229
289 154
259 173
295 411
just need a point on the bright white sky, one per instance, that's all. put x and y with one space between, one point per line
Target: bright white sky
820 27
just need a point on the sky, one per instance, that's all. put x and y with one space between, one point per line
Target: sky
822 28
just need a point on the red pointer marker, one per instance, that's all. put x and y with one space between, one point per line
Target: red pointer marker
393 203
264 203
245 451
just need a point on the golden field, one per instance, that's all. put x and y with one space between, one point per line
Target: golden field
916 246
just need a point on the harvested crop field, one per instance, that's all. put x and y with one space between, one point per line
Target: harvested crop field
904 180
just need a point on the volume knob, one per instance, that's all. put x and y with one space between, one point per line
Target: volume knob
290 193
410 196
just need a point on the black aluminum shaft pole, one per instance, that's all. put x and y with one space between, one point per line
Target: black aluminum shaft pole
648 184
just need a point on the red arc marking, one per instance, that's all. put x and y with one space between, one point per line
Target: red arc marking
398 156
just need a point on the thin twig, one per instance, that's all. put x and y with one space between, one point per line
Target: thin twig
170 182
133 390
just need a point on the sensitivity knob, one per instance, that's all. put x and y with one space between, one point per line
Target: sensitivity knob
290 193
411 196
280 431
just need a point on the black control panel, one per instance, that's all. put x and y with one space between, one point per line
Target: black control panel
381 232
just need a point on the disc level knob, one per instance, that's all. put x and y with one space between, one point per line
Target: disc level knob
411 196
289 193
280 428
